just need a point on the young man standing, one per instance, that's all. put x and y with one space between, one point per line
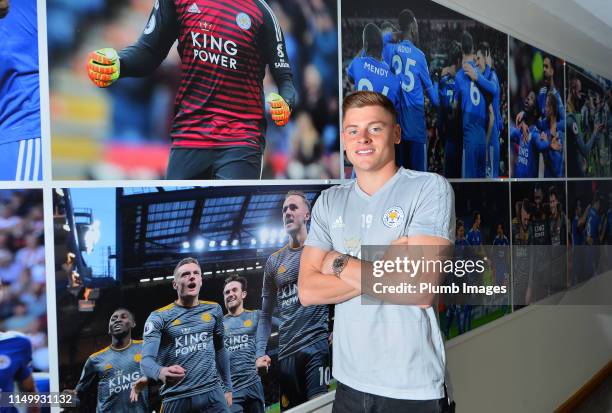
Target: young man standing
115 368
240 332
303 348
184 348
386 357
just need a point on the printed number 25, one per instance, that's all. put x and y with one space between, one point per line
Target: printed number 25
397 64
365 84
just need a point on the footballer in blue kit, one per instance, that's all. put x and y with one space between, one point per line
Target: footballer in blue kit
20 137
470 100
449 127
15 365
500 257
548 70
369 72
409 64
555 137
527 136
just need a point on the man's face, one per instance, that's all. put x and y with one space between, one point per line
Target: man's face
369 134
477 221
524 218
530 100
537 198
295 214
461 232
233 296
576 87
500 230
554 204
481 60
120 323
548 69
188 281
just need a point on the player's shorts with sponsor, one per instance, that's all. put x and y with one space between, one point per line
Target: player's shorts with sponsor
249 399
304 374
233 162
212 401
21 160
413 155
474 161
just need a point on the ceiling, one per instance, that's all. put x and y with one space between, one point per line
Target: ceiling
579 31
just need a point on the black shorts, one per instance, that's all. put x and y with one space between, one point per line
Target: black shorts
209 402
349 400
249 399
304 375
236 162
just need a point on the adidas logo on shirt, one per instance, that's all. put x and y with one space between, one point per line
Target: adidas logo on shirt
194 8
338 223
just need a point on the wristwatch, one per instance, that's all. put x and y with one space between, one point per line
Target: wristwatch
339 263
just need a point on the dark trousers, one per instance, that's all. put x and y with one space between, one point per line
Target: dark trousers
349 400
236 162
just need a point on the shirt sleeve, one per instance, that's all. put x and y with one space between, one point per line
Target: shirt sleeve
430 88
25 369
268 293
319 235
435 212
273 43
150 346
143 57
88 377
221 354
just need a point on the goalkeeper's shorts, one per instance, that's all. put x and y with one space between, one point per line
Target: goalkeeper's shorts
21 160
235 162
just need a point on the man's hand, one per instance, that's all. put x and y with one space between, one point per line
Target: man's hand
228 398
4 8
519 118
470 71
171 375
103 67
262 364
279 109
137 387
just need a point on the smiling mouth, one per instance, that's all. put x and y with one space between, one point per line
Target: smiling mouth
116 326
364 151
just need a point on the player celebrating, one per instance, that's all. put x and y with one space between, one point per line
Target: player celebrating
20 144
183 347
473 108
453 309
487 79
522 258
548 70
500 243
219 125
527 136
115 368
303 332
15 366
448 125
554 137
240 332
369 72
557 225
409 64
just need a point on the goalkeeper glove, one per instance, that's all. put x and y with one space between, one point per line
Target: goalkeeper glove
279 109
103 67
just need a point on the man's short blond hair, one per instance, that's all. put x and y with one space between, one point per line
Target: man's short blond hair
365 98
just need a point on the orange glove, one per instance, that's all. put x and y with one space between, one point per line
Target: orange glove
279 109
103 67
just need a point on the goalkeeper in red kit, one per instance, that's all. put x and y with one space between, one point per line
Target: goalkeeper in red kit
218 130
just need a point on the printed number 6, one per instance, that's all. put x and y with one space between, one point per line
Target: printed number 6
474 94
